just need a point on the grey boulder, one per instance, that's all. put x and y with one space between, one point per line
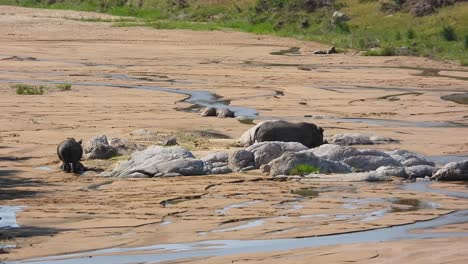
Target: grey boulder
216 163
453 171
369 162
156 160
241 160
98 147
419 171
184 167
334 152
209 111
124 146
360 160
391 171
225 113
264 152
290 160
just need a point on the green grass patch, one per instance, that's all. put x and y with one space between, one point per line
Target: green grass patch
26 89
100 19
64 86
385 51
448 33
304 169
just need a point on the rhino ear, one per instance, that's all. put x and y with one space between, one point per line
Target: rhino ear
321 130
81 141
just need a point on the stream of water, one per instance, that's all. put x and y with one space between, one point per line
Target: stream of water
209 248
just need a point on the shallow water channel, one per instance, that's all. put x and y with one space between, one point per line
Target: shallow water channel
181 251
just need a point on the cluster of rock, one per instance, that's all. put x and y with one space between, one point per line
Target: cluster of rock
280 158
100 147
157 161
220 112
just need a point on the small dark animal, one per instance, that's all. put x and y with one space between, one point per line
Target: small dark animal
70 152
308 134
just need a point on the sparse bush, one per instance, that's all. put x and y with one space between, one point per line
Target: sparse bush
385 51
448 33
410 34
465 42
64 86
26 89
304 169
398 35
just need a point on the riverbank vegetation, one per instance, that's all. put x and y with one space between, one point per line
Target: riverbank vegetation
436 29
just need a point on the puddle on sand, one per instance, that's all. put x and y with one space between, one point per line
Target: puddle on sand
398 123
169 202
44 168
307 192
456 98
8 216
410 205
423 186
237 205
180 251
232 247
198 98
250 224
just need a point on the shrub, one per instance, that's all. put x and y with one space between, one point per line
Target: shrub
410 34
385 51
303 169
64 86
448 33
26 89
398 35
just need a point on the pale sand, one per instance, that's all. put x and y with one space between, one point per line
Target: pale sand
65 215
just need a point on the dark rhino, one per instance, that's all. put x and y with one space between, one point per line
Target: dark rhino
308 134
70 152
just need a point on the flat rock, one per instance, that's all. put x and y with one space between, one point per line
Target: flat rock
369 162
149 161
347 139
334 152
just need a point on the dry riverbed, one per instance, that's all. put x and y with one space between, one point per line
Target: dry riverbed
128 79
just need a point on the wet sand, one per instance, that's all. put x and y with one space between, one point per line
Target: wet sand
342 93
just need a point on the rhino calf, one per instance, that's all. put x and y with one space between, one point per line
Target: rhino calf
70 152
308 134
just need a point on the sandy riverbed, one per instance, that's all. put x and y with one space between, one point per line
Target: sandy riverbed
67 213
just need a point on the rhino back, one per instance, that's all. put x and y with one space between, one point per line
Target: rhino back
70 151
306 133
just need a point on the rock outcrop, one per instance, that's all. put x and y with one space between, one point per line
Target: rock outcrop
453 171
